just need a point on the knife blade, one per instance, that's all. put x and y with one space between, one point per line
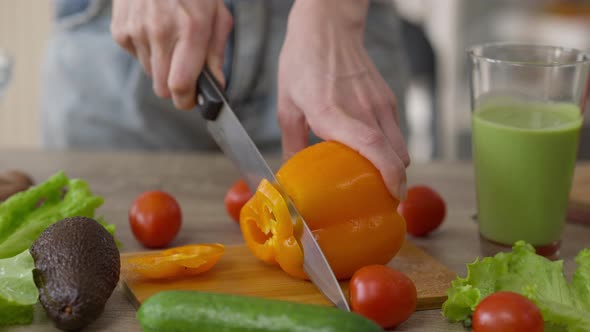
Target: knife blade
234 141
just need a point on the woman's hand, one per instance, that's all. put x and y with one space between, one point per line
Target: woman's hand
173 40
328 83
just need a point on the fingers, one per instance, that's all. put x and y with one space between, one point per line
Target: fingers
295 131
221 29
187 62
188 59
202 40
142 51
119 23
173 41
162 38
130 32
386 113
394 135
160 67
369 141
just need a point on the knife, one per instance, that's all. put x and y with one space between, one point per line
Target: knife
232 138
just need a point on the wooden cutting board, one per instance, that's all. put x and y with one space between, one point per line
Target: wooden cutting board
579 205
239 272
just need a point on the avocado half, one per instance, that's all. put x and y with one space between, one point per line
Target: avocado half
77 266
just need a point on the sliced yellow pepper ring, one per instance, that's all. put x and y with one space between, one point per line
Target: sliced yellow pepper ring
176 262
269 232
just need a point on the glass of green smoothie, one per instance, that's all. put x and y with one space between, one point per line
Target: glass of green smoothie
527 108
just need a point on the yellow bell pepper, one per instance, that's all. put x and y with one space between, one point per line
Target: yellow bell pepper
343 200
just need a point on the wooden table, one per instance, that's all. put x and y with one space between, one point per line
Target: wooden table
199 183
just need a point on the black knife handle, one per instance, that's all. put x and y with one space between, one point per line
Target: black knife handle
209 95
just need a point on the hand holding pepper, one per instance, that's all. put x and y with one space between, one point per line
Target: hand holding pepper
329 84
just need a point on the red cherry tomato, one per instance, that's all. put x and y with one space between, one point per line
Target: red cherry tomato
235 198
507 312
382 294
424 210
155 219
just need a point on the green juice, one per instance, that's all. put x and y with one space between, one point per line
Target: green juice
524 156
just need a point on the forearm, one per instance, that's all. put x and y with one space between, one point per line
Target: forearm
331 30
341 14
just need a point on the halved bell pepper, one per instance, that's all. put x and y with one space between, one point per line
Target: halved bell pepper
176 262
343 200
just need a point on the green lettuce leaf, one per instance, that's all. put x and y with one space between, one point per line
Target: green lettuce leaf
581 279
18 292
25 215
563 305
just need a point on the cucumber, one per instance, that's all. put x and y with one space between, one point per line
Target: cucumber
178 311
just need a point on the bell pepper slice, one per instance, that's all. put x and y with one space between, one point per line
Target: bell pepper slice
270 234
176 262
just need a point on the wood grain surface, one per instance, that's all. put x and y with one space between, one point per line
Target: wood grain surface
199 182
239 272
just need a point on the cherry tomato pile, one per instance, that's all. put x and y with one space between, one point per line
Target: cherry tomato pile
155 218
423 209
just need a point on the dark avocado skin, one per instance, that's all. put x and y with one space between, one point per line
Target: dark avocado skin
77 266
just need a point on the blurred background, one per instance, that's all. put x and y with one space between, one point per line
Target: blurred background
24 28
436 34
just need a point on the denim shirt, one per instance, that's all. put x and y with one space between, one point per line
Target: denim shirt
65 8
95 95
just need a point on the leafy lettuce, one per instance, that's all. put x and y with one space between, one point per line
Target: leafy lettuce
18 292
564 305
25 215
